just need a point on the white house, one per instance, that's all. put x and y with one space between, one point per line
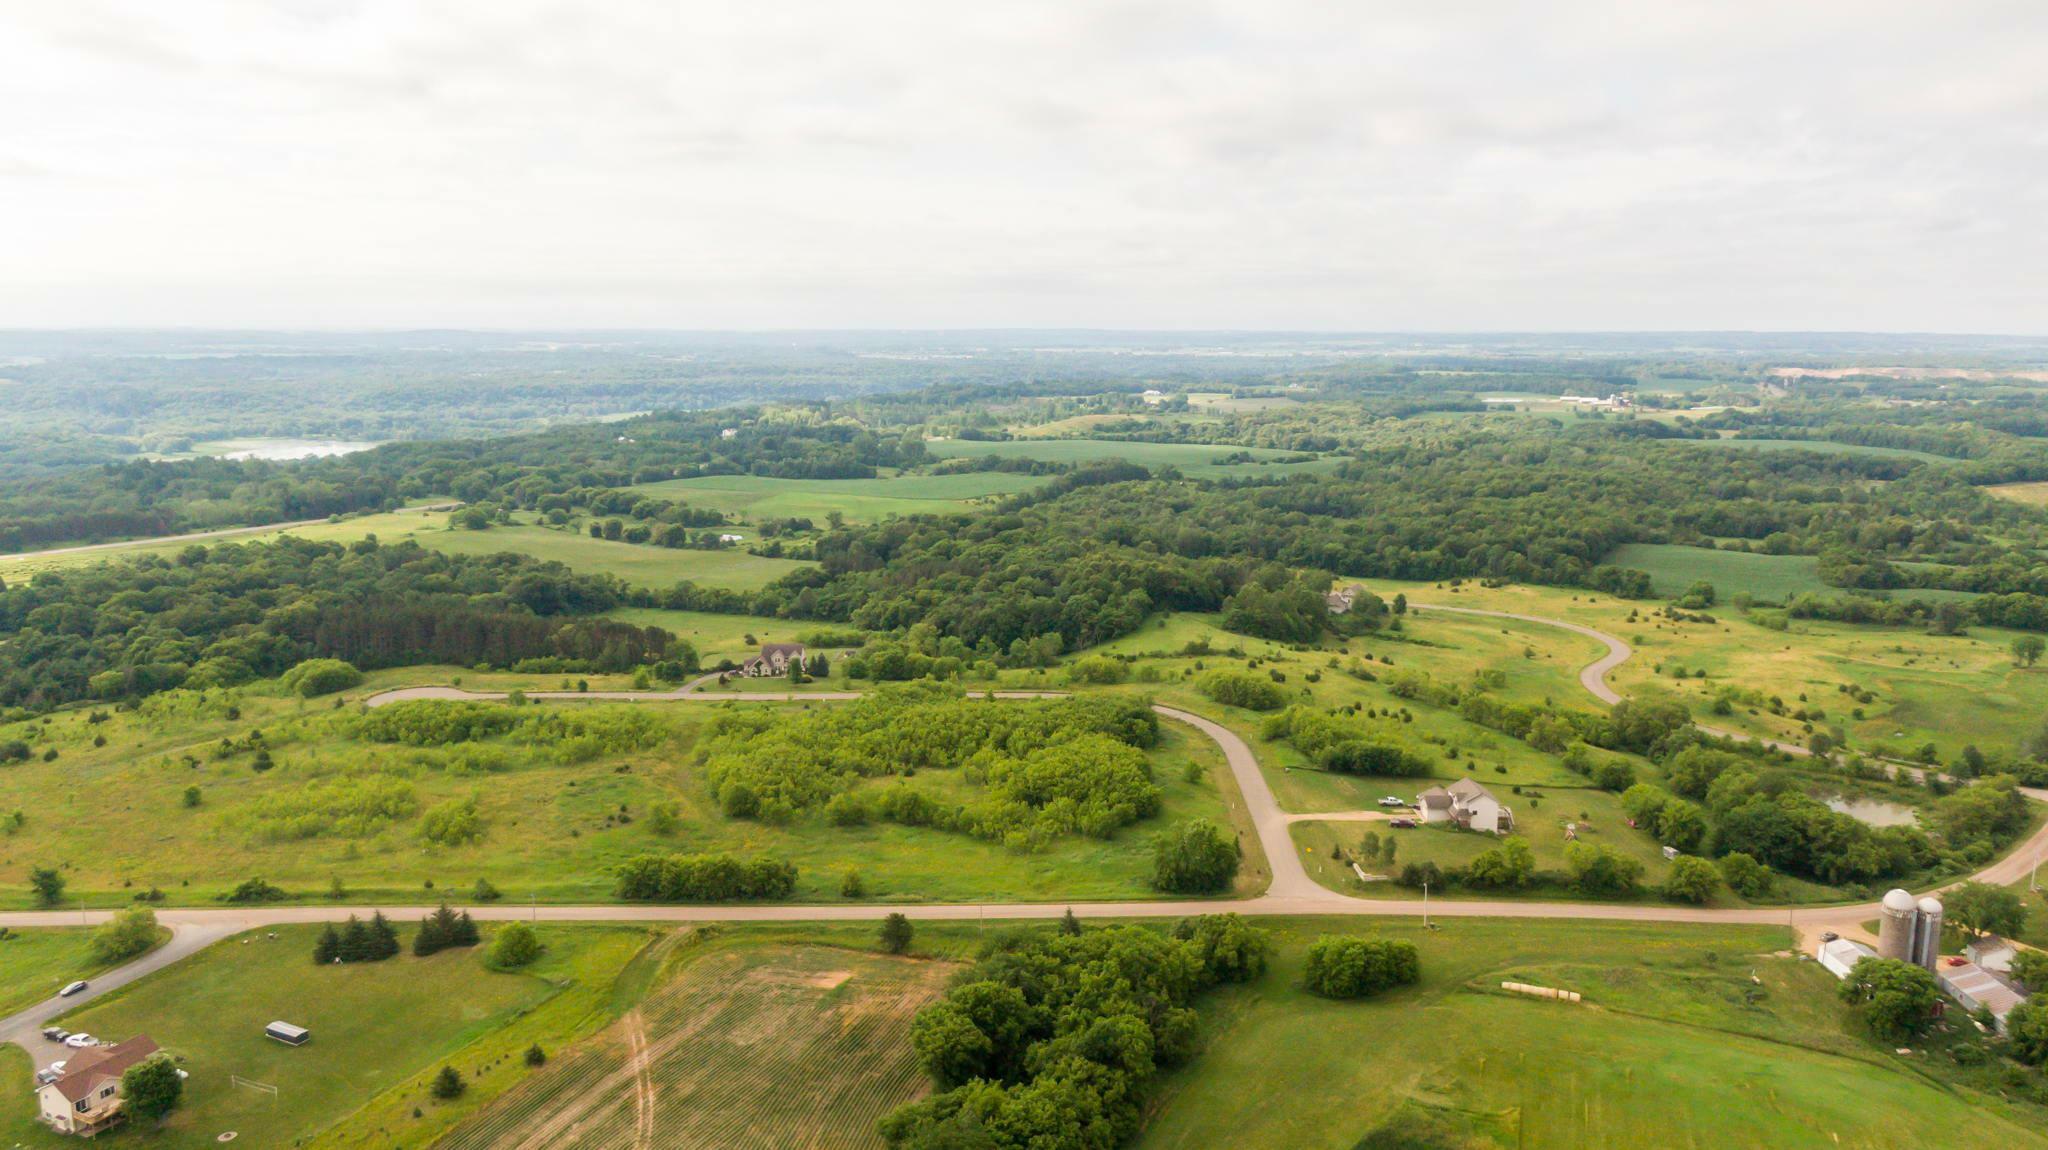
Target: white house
1467 804
1840 956
774 659
1340 601
86 1098
1153 396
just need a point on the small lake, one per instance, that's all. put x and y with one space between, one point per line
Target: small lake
1874 812
280 449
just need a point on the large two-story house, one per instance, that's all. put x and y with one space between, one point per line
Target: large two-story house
86 1098
1467 804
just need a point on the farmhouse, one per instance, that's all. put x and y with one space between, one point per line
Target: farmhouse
774 659
86 1098
1340 601
1467 804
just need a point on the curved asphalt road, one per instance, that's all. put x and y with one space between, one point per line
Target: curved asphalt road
1292 891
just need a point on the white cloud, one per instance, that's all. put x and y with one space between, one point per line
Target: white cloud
1257 164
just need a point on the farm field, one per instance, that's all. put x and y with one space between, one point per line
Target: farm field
388 526
553 824
1196 460
1675 1046
717 636
639 565
2028 494
378 1029
1673 568
749 1045
859 500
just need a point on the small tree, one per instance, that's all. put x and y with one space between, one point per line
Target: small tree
1197 857
151 1088
193 795
449 1084
515 945
327 948
1897 997
2026 650
1980 908
896 933
851 886
1070 925
48 885
485 892
535 1056
1691 879
2027 1028
124 936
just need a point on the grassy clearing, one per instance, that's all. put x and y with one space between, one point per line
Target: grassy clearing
388 527
377 1028
1945 690
2027 494
1196 460
859 500
717 636
749 1045
639 565
1674 1047
114 819
1673 568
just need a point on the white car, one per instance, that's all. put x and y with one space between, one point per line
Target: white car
1391 801
81 1041
72 989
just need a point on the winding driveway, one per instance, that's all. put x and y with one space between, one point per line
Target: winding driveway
1292 891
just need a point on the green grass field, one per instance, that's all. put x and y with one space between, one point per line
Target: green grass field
717 636
378 1028
749 1045
114 819
34 964
859 500
640 565
1674 1046
389 527
1673 568
1817 446
1196 460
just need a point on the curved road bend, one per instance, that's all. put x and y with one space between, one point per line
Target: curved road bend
1292 891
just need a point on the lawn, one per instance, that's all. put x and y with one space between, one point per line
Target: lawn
115 820
717 636
749 1045
637 564
860 500
377 1028
1674 1046
35 964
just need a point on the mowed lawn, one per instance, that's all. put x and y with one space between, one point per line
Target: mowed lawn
859 500
637 564
750 1045
377 1027
1674 1046
35 964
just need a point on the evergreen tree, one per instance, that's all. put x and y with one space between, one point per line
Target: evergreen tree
432 938
463 932
449 1084
328 948
896 932
1069 924
355 941
383 938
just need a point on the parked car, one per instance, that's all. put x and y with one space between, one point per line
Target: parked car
49 1074
74 988
1400 822
81 1041
1391 801
1828 936
56 1033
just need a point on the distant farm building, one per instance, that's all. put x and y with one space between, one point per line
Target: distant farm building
1153 396
1978 989
1992 953
86 1098
1467 804
1341 600
1840 956
774 659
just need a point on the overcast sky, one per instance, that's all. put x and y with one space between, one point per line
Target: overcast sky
1350 165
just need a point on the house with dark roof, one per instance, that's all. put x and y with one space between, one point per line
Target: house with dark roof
773 659
86 1098
1468 805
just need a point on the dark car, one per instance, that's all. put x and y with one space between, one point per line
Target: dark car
1400 822
56 1033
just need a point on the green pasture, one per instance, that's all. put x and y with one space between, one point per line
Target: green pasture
1817 446
638 564
390 527
1673 568
1703 1037
1196 460
756 497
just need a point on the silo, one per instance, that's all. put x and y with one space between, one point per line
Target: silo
1895 922
1927 932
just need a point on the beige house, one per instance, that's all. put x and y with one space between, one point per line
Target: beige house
86 1098
1467 804
1341 600
774 659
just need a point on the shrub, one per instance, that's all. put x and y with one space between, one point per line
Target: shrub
1691 879
1597 868
449 1084
255 890
127 934
513 946
1241 689
453 823
896 933
704 878
152 1087
1230 948
316 677
1197 857
1342 967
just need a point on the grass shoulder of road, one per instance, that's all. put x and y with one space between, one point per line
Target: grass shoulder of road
36 963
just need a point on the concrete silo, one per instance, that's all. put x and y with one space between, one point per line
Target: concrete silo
1927 932
1895 922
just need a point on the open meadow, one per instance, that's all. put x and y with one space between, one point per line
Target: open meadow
754 498
1195 460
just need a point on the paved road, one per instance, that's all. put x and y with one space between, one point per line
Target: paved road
1292 891
193 536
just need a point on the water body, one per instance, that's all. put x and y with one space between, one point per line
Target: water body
1875 812
279 449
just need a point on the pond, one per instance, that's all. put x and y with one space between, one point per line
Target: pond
1874 812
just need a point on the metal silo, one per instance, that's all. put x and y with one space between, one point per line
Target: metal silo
1927 932
1895 923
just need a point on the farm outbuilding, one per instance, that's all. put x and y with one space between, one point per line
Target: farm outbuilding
1976 988
1840 956
288 1034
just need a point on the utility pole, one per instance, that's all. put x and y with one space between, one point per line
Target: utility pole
1425 904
